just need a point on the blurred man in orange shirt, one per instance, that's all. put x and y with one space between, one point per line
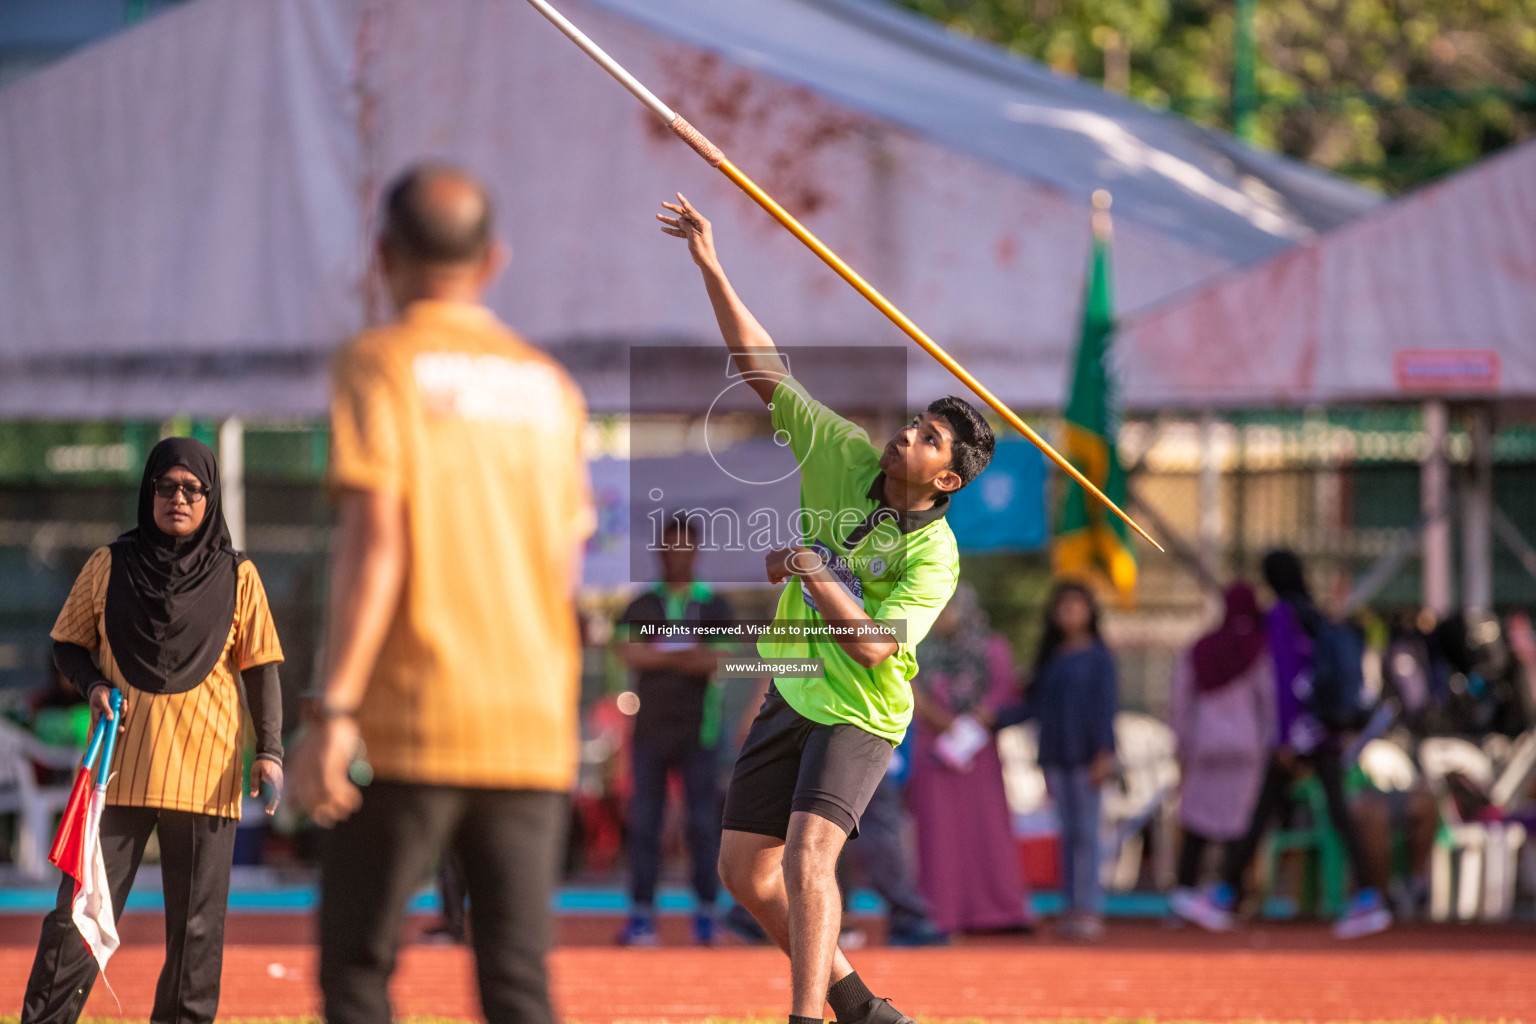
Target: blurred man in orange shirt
457 465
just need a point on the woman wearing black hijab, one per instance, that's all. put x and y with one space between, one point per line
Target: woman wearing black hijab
175 618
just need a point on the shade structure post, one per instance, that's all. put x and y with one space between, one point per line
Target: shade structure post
1434 493
1477 514
1210 493
232 478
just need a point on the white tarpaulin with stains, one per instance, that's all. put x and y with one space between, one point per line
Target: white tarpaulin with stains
185 209
1432 295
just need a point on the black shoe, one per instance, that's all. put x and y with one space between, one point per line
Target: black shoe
924 934
880 1011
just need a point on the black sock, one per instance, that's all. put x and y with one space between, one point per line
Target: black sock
850 998
805 1020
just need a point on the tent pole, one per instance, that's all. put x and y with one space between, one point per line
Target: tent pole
1210 495
232 473
1240 497
1477 515
1434 488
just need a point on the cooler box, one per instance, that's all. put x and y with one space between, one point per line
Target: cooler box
1038 836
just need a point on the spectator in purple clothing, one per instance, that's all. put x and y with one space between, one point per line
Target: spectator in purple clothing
1222 710
1305 743
968 862
1073 697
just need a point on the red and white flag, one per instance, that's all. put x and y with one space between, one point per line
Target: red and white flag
77 850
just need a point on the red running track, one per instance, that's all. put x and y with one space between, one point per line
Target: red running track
1142 971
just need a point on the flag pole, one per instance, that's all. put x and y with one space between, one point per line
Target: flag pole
1101 222
715 158
98 735
104 770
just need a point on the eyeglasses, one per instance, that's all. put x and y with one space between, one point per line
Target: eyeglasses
167 489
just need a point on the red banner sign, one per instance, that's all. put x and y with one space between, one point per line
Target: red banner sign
1448 369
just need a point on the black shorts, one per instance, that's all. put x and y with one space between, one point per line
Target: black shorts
790 763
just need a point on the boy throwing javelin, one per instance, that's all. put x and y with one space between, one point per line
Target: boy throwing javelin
880 566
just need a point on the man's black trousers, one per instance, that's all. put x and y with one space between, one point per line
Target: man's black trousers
510 845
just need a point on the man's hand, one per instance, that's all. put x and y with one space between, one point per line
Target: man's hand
786 562
699 659
702 660
270 773
692 225
322 762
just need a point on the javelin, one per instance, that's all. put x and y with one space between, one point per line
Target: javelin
715 158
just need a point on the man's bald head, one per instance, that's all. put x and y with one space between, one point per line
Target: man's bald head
437 215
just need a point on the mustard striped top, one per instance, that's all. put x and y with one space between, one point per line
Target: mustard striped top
176 751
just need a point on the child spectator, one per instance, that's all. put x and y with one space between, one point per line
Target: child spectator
1072 696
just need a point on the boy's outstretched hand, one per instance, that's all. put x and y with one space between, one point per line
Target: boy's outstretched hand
756 358
693 226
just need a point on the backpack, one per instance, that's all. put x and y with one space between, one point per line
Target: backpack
1338 681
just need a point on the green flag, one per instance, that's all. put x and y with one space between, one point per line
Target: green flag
1088 539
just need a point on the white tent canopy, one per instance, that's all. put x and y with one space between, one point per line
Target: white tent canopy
186 206
1432 295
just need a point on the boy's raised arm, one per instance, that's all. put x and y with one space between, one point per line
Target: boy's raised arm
756 357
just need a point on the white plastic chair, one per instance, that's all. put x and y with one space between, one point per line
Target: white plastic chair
34 806
1483 883
1518 766
1149 771
1388 766
1023 780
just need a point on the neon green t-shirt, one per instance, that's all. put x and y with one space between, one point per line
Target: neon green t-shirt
902 566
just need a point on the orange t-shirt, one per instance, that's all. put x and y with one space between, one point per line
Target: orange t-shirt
480 435
176 751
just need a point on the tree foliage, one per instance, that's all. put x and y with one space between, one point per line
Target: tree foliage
1390 92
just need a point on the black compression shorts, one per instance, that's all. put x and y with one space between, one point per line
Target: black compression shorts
790 763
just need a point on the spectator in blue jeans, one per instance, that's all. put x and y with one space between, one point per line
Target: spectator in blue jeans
676 729
1072 697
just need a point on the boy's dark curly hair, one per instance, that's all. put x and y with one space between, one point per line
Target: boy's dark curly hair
974 441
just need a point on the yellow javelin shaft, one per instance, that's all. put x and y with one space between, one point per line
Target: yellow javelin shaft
916 333
715 158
